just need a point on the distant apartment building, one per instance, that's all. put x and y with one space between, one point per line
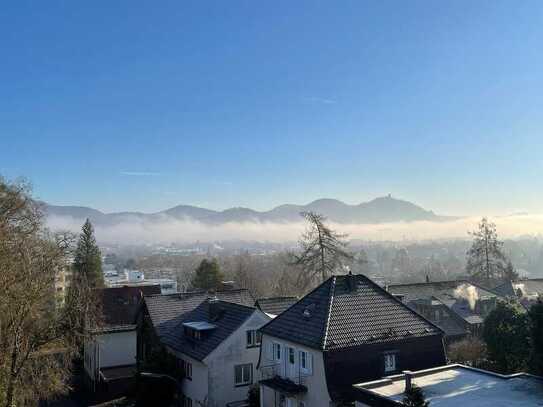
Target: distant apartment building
63 279
134 278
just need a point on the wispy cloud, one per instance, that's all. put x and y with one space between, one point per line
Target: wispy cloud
140 173
319 100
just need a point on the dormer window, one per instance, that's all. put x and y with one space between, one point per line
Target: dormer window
197 330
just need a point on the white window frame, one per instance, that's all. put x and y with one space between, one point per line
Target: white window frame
390 362
244 367
253 338
305 359
277 352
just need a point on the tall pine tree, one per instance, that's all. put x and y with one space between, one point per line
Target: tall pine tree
88 260
486 261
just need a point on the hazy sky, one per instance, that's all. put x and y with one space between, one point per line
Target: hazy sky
130 105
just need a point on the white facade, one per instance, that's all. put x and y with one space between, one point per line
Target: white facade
213 379
295 362
134 278
110 349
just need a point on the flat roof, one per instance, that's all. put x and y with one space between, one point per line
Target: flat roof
199 325
458 385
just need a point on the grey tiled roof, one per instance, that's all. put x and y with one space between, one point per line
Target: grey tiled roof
275 305
231 318
166 309
119 305
347 311
444 291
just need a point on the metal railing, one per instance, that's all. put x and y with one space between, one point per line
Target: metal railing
276 370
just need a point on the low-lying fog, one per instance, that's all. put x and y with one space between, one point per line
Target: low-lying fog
169 230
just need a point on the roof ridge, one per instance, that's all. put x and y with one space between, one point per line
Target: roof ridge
330 301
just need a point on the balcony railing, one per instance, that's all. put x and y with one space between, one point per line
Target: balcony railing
276 370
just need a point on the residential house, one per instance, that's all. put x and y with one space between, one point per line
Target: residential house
453 386
346 331
527 292
110 354
213 339
458 307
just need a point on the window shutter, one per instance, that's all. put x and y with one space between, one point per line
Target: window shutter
309 363
269 350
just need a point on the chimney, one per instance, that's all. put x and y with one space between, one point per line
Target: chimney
215 309
408 380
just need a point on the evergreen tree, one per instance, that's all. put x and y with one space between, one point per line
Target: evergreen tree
208 275
323 250
414 397
486 260
506 333
88 260
536 330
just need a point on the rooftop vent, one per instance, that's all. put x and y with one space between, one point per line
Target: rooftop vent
308 311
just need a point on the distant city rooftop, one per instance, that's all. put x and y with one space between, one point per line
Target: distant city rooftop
457 385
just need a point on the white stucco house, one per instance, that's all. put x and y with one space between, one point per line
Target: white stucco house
346 331
216 344
110 354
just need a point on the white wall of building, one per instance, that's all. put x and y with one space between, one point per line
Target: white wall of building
117 348
222 361
315 381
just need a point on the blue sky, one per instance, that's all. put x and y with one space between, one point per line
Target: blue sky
131 105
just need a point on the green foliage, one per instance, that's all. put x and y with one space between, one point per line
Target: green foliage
208 275
506 333
414 397
536 330
88 260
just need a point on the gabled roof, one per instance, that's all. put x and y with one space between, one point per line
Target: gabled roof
347 311
119 305
449 293
166 310
275 305
224 323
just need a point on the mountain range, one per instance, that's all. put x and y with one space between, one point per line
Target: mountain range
379 210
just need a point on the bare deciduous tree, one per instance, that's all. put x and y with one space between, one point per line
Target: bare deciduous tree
35 335
323 250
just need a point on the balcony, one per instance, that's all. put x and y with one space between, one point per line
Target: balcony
270 376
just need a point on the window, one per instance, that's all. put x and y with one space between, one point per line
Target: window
187 402
243 374
291 359
192 333
277 351
254 338
437 315
305 362
390 362
301 404
186 369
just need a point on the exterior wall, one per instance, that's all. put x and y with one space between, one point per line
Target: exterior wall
317 391
366 363
117 349
197 387
221 362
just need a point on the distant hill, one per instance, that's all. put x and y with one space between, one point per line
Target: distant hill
379 210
